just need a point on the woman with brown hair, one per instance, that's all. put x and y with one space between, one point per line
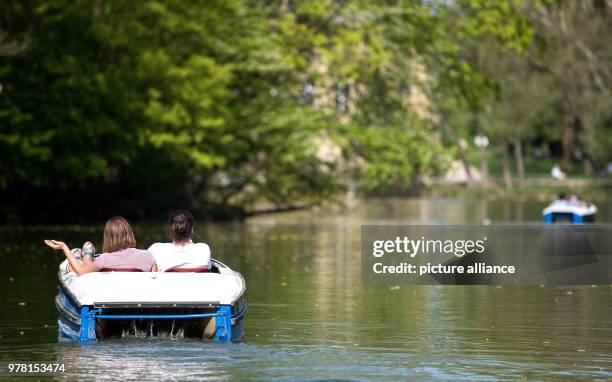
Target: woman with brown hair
182 254
119 249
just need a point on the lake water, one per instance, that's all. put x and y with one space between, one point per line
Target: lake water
311 318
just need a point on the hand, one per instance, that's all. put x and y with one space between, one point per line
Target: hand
56 244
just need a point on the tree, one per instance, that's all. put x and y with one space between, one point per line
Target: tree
571 50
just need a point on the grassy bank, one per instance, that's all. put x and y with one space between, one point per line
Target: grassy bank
539 193
539 185
534 167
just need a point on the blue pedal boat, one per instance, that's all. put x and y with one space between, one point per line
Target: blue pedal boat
568 213
100 305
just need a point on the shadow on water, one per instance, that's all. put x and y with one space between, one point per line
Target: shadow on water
311 317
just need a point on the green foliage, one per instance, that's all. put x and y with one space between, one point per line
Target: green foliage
158 104
499 20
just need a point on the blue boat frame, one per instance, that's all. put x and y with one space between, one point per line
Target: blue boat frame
223 321
552 217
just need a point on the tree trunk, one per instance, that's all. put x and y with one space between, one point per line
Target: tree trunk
520 165
466 165
284 7
506 164
484 162
484 166
587 161
569 133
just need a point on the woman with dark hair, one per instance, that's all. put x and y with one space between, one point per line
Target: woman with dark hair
182 254
119 249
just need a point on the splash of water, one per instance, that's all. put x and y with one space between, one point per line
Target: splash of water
149 329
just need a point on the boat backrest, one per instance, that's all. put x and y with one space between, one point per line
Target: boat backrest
194 270
120 270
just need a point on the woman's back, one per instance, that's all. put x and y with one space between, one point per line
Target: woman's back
129 258
182 252
191 255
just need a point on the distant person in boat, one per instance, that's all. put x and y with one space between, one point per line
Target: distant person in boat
119 250
577 201
561 200
182 254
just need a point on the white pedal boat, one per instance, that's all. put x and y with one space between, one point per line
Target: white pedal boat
190 304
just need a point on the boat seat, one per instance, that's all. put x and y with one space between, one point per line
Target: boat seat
193 270
120 270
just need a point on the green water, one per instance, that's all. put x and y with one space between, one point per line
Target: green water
310 317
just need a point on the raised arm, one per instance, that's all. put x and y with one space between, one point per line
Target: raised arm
76 266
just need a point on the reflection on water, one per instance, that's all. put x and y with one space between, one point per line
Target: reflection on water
310 316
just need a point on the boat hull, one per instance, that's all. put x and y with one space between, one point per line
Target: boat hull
101 305
78 323
567 213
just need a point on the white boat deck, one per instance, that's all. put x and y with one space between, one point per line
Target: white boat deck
591 209
129 288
